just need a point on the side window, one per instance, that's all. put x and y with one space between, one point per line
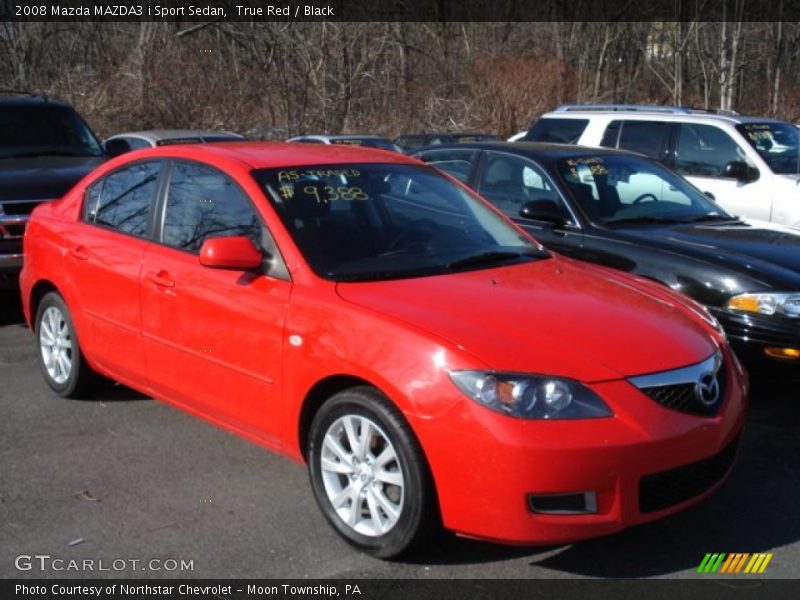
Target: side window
510 181
650 138
122 200
704 150
457 163
201 203
559 131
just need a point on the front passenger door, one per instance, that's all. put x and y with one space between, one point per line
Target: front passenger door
213 337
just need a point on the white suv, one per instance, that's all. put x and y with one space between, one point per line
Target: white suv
750 165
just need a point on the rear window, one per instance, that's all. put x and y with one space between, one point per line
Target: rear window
559 131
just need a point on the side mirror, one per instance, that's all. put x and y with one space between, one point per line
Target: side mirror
544 210
116 147
233 252
739 171
710 196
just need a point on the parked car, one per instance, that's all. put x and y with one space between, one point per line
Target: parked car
628 212
45 148
359 311
412 141
368 141
136 140
750 165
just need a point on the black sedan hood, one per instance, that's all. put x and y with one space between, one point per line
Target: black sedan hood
42 177
760 250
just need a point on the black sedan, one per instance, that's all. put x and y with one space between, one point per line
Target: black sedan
627 212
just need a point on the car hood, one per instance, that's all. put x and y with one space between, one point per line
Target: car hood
42 177
552 316
761 250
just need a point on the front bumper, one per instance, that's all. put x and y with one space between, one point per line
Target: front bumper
750 335
642 464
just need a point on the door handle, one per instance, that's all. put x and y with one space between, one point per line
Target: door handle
79 252
161 279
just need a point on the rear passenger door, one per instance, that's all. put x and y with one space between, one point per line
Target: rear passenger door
104 259
509 182
651 138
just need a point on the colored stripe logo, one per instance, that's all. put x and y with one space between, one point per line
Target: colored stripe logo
738 562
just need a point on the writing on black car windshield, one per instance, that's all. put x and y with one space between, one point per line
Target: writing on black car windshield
44 131
776 143
359 222
618 189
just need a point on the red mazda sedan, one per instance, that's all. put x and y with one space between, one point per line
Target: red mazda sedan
363 313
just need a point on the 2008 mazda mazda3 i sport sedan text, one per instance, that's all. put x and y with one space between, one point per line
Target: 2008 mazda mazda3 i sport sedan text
362 312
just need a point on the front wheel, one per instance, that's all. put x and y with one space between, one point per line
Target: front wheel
60 357
369 475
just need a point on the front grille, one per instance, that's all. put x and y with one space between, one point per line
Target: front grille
668 488
19 207
682 398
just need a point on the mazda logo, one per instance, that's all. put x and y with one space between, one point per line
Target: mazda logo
706 390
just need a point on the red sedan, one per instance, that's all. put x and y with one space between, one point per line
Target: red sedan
363 313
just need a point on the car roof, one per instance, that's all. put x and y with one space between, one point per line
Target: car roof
156 135
537 150
645 113
25 99
341 136
263 155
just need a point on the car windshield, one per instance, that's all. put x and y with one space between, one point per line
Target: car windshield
358 222
776 143
45 130
621 189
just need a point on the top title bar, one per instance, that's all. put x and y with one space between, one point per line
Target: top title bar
399 10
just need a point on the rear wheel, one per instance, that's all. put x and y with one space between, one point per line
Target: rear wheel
60 357
369 475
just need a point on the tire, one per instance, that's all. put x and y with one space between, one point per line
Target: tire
389 481
60 358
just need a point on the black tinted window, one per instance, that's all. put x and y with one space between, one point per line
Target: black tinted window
203 203
122 199
645 137
704 150
560 131
457 163
509 182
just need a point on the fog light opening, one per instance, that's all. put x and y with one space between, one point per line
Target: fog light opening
581 503
783 353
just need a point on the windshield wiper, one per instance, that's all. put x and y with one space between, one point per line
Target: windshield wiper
643 219
491 257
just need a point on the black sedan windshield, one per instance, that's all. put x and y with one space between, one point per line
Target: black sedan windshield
358 222
618 189
45 130
776 143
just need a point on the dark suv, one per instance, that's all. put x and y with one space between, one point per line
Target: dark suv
45 148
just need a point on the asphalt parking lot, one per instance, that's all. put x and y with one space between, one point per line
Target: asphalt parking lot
123 477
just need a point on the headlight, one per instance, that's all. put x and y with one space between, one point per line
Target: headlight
779 303
531 396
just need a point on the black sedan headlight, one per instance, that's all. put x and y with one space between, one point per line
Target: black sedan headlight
531 396
768 303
